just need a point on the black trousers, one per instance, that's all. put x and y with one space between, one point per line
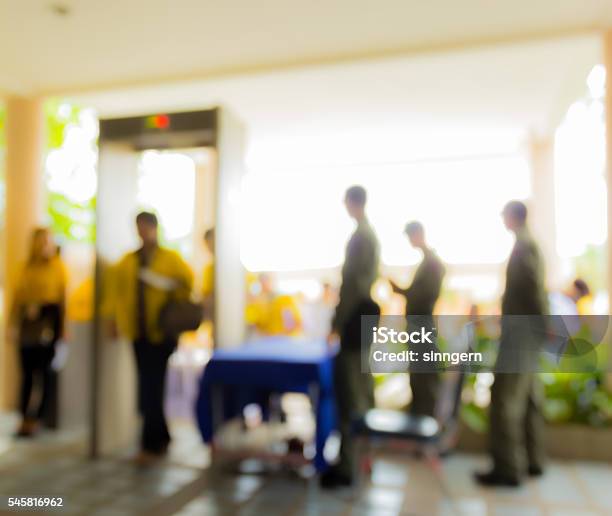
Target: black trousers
35 367
151 364
353 389
424 378
37 338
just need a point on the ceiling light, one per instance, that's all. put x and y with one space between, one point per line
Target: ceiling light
59 9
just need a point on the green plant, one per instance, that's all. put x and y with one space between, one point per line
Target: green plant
577 396
72 220
69 218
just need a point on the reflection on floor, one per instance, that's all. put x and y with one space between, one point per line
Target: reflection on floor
54 464
406 486
184 485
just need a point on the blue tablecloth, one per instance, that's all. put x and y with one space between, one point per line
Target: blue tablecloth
279 364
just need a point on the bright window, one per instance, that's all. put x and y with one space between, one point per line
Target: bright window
580 187
173 200
297 221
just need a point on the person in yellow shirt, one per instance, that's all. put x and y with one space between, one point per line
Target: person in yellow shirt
79 306
208 276
37 323
271 314
576 299
145 281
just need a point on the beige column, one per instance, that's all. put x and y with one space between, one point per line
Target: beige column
230 276
24 153
607 60
542 216
607 57
205 207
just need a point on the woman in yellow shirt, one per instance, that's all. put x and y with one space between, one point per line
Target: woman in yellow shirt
37 320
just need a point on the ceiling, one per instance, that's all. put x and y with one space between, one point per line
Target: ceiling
119 42
445 104
344 80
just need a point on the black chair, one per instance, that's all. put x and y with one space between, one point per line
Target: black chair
430 437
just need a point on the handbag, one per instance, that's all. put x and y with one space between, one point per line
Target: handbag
179 316
39 329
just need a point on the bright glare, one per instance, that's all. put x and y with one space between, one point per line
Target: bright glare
596 81
580 188
71 169
297 220
172 200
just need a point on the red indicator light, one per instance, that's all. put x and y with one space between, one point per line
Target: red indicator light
162 121
158 122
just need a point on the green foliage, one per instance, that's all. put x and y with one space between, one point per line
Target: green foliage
69 220
577 398
569 397
475 417
58 115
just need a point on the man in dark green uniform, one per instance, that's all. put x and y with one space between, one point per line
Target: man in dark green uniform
516 419
421 297
354 391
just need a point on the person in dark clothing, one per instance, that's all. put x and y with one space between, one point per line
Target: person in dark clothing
421 297
516 421
354 390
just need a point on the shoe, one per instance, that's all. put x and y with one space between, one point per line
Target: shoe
494 479
295 445
145 459
535 471
333 479
27 428
162 450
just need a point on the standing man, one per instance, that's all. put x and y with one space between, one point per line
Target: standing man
146 281
354 391
421 297
516 419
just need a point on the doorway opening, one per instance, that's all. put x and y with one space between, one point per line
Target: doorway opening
186 168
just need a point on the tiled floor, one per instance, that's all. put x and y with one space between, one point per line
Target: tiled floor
407 486
184 485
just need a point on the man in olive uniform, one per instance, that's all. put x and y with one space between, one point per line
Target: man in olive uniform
354 391
421 297
516 420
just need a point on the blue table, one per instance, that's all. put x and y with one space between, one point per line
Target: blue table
277 364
